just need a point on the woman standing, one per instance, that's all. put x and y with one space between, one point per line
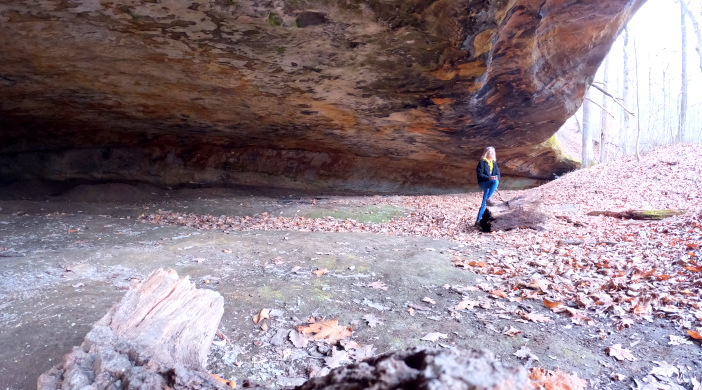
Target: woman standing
488 179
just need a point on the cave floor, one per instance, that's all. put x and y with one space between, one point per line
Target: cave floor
66 260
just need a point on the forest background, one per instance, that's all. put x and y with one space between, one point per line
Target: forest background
654 71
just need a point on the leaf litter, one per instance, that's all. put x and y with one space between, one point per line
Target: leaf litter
589 268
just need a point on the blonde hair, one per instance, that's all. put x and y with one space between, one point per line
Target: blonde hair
487 151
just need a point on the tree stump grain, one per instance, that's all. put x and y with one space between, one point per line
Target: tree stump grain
156 337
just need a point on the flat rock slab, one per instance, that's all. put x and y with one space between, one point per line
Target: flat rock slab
51 297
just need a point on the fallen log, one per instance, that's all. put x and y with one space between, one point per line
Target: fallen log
157 337
645 215
520 212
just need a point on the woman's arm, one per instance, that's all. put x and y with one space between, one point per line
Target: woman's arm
483 171
496 170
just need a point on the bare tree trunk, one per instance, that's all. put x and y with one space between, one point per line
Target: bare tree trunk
665 105
587 130
625 91
638 105
683 92
670 125
696 28
603 117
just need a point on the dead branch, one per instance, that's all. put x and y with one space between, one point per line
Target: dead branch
603 109
616 100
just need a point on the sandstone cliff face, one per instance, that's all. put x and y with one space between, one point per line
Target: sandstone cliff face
359 94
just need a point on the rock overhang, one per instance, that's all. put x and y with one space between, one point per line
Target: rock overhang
348 94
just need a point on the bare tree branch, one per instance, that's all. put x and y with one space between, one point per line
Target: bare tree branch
603 109
616 100
696 28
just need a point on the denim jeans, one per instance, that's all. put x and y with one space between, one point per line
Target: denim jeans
489 187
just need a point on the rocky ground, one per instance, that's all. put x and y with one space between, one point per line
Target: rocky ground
617 302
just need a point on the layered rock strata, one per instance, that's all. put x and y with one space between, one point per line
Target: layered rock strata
352 94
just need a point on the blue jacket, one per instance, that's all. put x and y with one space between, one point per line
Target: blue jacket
484 173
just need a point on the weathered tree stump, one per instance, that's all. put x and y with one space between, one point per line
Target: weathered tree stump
157 337
646 215
435 369
520 212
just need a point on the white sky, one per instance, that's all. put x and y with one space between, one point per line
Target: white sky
655 31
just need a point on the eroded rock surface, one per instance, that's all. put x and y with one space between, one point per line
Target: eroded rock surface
359 94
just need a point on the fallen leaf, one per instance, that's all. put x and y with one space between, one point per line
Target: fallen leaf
337 357
499 293
363 353
665 369
620 353
295 268
429 300
434 336
410 311
378 285
372 320
551 304
694 335
349 344
320 272
511 331
223 381
555 380
535 317
298 340
467 304
624 323
227 250
329 331
262 315
525 353
539 284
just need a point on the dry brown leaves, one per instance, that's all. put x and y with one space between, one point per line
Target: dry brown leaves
261 315
223 381
328 331
320 272
555 380
638 269
619 353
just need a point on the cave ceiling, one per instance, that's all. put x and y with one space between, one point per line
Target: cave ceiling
347 94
